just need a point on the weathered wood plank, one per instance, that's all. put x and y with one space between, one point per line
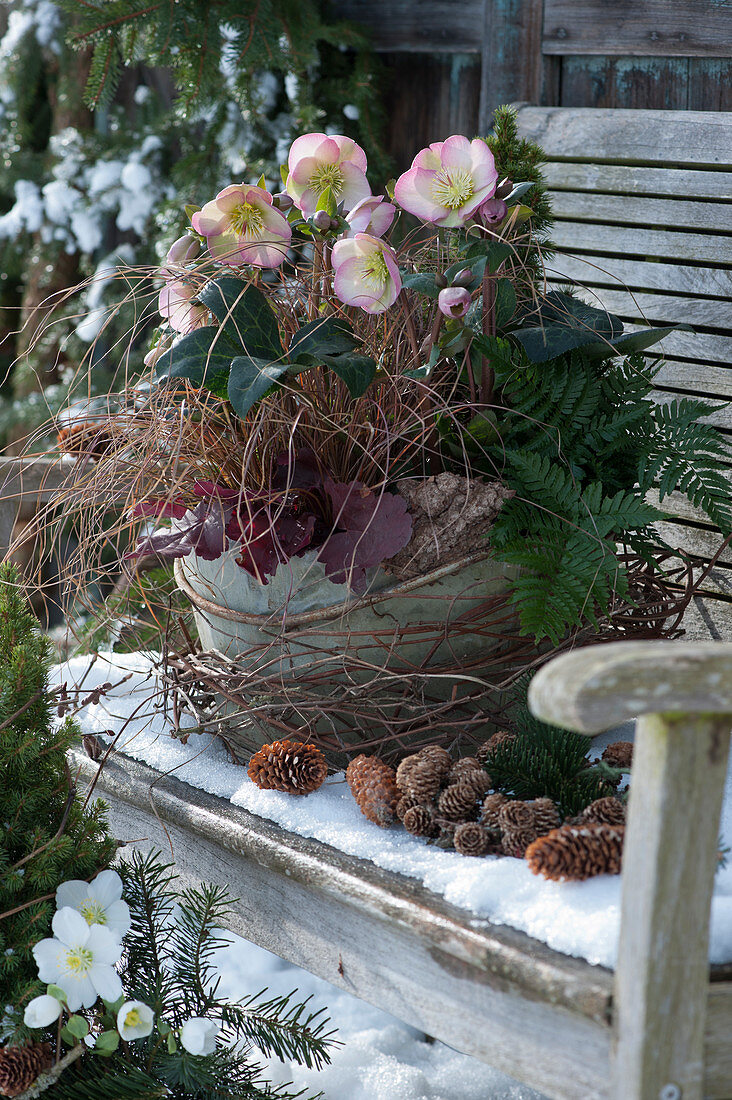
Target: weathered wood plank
663 309
694 28
638 83
644 137
512 66
668 878
25 482
638 210
717 1047
710 88
623 179
596 688
501 996
432 26
431 97
646 243
616 271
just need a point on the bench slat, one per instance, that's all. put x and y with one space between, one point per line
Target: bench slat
693 138
663 309
616 271
639 210
657 243
623 180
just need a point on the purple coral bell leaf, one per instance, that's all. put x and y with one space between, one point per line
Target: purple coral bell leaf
201 532
268 540
371 529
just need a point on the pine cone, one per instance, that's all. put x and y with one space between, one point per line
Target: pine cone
514 842
20 1066
439 756
288 766
516 815
468 770
546 816
421 779
373 784
488 747
619 754
577 852
491 805
472 839
603 811
463 766
404 768
405 803
458 802
418 821
517 823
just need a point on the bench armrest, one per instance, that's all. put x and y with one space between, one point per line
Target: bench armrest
682 697
594 689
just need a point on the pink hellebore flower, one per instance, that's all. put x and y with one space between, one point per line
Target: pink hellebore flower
366 273
241 226
454 301
492 212
371 215
174 303
448 181
319 164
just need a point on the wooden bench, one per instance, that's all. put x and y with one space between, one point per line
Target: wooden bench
644 222
572 1030
659 1028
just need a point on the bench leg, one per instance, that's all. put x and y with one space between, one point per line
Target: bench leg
661 981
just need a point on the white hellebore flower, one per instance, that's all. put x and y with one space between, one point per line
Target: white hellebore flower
41 1011
198 1035
98 901
134 1020
80 960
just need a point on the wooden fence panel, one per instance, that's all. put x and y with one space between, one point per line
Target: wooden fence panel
654 28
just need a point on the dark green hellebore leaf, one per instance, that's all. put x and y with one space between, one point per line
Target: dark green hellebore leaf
200 356
245 315
505 305
422 282
324 336
250 379
357 371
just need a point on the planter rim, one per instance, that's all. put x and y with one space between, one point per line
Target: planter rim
323 614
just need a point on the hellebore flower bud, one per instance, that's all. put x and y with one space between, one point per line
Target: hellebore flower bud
454 301
322 221
282 201
463 278
492 212
183 250
504 189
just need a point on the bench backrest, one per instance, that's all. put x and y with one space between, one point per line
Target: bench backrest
644 222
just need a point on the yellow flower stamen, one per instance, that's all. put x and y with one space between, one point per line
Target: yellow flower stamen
327 177
246 220
375 270
78 961
93 912
132 1019
452 187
